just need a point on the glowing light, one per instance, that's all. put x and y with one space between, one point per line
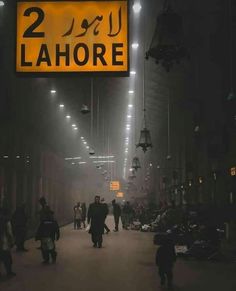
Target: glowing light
130 105
129 116
74 158
2 3
135 45
137 7
52 91
131 91
132 73
101 157
73 125
98 162
61 105
68 116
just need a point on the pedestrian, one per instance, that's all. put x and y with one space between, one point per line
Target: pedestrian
84 214
43 204
106 211
6 242
42 212
96 218
48 231
19 226
116 213
165 258
77 216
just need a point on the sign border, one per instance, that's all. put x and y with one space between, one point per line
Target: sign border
84 73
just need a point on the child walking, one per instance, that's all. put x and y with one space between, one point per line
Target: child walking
165 258
47 233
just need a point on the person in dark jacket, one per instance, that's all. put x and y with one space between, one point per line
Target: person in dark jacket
47 233
116 213
106 211
165 258
6 242
19 225
96 216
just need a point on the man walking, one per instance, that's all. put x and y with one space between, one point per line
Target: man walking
165 258
116 213
106 211
96 218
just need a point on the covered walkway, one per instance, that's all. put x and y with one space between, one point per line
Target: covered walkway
126 262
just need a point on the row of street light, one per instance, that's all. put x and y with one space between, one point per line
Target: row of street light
135 45
74 126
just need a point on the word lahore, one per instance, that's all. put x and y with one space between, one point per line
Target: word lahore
98 53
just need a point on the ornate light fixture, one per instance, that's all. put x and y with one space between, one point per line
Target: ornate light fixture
91 152
104 172
136 164
85 109
132 176
145 141
166 45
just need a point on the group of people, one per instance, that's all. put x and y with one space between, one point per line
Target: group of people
13 232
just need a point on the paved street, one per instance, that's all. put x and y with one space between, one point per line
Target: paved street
126 262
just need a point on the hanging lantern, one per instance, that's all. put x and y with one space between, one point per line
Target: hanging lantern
84 109
104 172
132 176
136 164
168 157
145 141
91 152
231 96
166 45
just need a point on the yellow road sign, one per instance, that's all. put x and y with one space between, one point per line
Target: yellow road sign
114 185
72 36
119 194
